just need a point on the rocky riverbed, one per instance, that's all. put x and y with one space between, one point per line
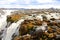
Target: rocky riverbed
15 25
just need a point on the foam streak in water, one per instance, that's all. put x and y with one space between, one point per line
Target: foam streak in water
11 30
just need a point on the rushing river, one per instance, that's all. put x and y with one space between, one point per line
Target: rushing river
6 33
11 30
3 23
3 19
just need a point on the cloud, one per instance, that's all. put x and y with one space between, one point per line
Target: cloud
11 0
45 1
30 6
29 3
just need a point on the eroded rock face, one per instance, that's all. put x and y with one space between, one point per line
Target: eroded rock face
34 27
38 29
14 17
28 26
24 37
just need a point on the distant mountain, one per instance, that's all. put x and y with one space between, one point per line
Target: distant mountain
12 8
22 8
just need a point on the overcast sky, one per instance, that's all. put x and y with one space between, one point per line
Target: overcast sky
29 3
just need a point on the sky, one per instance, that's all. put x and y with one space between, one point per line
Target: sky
29 4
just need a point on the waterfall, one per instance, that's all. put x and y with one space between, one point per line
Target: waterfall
3 22
11 30
3 19
7 33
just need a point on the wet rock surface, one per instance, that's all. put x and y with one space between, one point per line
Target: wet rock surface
38 31
22 26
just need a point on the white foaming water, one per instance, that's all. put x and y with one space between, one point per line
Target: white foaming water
11 30
55 15
48 17
3 19
3 25
39 17
8 32
8 12
43 27
3 22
